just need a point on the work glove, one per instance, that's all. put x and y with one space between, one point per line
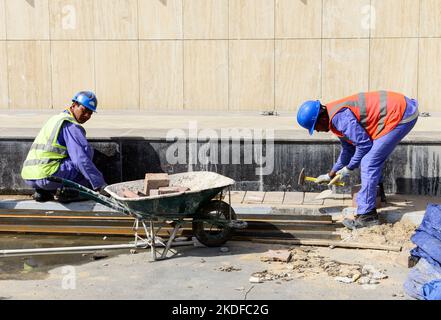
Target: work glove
344 172
324 178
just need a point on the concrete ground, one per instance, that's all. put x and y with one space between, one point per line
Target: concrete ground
194 275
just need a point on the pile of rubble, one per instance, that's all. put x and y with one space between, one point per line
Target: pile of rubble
398 233
304 262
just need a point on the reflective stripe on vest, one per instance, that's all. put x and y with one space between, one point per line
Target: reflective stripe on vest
45 155
379 123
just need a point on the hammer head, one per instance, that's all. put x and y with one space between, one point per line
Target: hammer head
301 180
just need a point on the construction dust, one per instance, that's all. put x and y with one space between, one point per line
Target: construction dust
397 234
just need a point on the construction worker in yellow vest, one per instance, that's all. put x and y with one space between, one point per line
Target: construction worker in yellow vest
61 150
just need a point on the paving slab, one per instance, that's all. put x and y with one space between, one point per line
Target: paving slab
254 197
310 198
293 198
237 196
274 197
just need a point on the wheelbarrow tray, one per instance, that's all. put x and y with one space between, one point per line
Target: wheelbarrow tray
203 187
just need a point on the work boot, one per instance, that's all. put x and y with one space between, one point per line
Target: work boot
362 220
41 195
67 195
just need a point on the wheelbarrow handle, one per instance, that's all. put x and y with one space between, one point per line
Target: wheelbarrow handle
92 195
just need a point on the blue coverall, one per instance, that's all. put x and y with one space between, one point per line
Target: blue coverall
370 154
78 167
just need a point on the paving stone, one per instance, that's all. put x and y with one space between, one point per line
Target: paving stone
310 198
236 196
274 197
336 200
254 197
293 198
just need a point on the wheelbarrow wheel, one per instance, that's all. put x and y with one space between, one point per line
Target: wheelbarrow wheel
214 234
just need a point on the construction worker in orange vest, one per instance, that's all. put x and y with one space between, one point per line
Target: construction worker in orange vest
369 125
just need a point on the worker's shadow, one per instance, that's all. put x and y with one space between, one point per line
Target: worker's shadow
107 159
139 156
126 160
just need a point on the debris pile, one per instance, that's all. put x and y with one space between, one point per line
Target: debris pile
266 275
398 234
228 268
304 262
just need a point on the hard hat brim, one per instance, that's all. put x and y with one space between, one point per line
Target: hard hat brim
311 130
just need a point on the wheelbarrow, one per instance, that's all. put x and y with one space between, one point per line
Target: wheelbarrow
213 220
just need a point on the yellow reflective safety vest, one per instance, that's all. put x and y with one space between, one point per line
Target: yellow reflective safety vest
45 156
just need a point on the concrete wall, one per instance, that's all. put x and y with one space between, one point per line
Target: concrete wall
216 54
413 168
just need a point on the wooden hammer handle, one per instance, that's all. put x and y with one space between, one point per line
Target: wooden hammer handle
335 180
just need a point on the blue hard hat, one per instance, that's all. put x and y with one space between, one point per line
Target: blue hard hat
87 99
307 115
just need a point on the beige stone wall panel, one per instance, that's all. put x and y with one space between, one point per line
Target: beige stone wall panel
251 75
430 20
160 19
345 67
206 75
73 70
298 19
29 74
2 20
161 75
72 19
117 74
4 87
346 18
205 19
251 19
298 72
429 86
394 64
116 19
27 20
396 18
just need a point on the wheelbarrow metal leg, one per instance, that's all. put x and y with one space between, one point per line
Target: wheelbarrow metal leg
170 241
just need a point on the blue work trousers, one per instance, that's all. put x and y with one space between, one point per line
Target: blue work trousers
67 171
372 164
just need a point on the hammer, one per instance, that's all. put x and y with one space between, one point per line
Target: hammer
303 178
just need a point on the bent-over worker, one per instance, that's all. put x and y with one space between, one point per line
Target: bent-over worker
369 125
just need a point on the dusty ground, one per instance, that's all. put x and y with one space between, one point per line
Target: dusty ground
397 234
208 273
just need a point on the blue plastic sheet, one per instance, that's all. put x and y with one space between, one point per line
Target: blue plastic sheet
420 276
424 280
432 290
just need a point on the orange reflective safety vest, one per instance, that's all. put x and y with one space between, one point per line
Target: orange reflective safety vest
377 112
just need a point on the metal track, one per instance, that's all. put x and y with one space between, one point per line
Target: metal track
82 223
